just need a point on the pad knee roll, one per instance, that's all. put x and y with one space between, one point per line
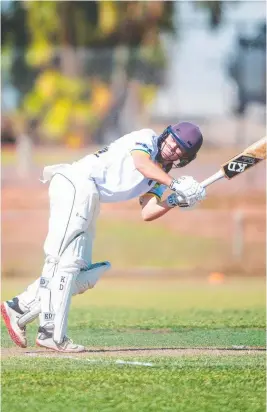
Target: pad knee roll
88 278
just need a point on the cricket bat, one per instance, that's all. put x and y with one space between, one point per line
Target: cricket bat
240 163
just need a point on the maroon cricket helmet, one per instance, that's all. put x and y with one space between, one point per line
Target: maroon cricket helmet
189 138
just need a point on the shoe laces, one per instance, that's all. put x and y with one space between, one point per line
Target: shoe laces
67 340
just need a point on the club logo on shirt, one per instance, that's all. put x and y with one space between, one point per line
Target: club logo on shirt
145 146
99 152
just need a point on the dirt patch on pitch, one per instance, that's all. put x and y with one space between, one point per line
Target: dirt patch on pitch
131 352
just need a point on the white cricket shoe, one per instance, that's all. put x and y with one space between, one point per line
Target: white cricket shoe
11 313
45 340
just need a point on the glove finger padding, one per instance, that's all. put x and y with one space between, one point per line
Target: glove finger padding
182 185
192 199
190 191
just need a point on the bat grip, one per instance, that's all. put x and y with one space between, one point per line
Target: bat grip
216 176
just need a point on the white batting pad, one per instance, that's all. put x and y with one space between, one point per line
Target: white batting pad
29 296
85 280
88 278
61 288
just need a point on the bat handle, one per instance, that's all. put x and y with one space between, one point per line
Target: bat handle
218 175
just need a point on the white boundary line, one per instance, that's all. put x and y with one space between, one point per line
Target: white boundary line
109 362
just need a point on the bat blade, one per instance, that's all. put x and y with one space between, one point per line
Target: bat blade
239 164
243 161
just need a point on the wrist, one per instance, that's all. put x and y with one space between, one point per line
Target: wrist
172 201
173 184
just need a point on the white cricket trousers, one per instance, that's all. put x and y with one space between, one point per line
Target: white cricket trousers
74 208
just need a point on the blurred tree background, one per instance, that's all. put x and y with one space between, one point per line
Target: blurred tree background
64 58
72 64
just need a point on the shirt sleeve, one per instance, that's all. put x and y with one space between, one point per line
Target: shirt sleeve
157 190
144 142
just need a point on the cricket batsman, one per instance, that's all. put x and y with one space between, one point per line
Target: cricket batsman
135 165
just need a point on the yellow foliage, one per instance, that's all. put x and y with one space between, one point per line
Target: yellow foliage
101 97
46 84
57 119
108 16
82 112
39 53
33 103
148 94
60 100
69 86
74 141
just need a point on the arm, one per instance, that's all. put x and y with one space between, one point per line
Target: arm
187 191
149 169
153 208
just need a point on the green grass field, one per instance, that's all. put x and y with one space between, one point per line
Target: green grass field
141 314
182 384
119 242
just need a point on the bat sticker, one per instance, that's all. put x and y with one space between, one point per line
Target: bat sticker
239 165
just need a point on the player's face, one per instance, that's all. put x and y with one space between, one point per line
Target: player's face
170 150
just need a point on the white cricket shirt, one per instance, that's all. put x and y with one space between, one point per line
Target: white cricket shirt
113 169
